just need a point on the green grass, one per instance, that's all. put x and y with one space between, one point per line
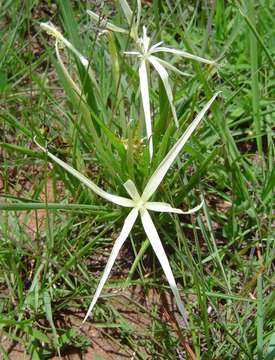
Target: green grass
56 235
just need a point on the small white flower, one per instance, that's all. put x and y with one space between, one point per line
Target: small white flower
141 205
146 54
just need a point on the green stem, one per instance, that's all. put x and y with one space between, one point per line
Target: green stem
260 317
254 76
137 260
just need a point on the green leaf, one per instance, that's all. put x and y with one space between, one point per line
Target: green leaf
3 81
49 316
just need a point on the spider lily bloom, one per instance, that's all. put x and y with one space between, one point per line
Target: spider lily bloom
141 205
146 54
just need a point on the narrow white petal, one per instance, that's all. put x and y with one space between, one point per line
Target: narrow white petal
127 10
162 207
154 239
164 77
164 166
182 53
170 67
119 200
144 88
136 53
194 209
107 24
153 47
132 190
127 227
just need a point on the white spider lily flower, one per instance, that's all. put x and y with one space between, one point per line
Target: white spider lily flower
146 56
140 205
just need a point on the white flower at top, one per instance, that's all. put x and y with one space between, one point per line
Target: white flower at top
146 54
141 205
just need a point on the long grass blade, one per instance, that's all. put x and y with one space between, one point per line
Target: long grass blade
254 54
127 11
